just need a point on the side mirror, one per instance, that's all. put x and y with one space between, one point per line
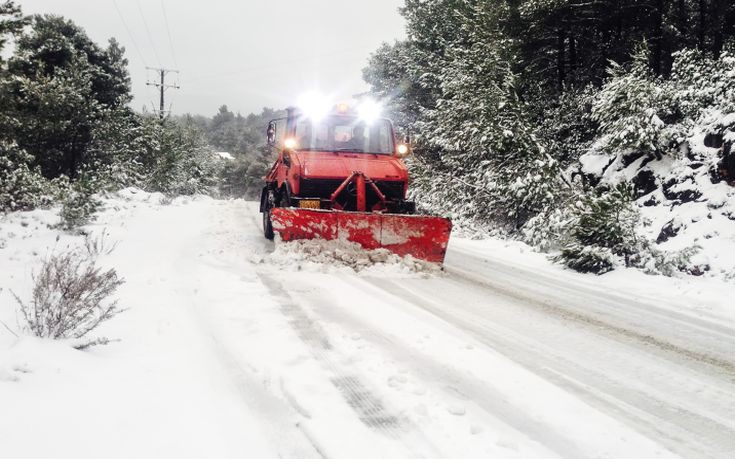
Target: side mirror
270 133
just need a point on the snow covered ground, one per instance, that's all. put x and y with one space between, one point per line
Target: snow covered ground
231 349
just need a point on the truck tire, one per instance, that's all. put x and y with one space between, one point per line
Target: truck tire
285 198
267 222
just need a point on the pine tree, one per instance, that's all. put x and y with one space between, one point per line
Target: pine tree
54 43
60 85
12 22
472 131
631 107
182 160
21 188
603 231
55 117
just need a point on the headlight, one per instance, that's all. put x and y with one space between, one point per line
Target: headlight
314 105
369 111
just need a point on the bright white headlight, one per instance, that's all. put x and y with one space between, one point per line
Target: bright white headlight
290 143
314 105
369 111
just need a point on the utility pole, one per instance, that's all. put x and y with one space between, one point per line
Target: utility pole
162 86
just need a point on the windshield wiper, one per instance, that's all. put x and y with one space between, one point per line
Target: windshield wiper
356 150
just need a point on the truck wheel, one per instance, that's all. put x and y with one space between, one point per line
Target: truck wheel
267 223
285 198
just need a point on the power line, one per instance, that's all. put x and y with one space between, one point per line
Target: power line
168 31
148 31
130 35
281 63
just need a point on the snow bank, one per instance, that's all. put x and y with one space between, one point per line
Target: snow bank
334 256
683 201
136 195
133 194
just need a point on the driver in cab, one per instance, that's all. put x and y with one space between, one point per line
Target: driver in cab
358 142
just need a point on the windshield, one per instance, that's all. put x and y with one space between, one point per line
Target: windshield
345 133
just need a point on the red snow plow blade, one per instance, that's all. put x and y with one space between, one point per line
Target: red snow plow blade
422 237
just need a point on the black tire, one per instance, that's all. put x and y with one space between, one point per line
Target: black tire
285 200
267 223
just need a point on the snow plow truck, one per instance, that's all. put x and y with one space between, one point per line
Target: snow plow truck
340 176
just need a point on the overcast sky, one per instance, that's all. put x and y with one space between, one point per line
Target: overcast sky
244 53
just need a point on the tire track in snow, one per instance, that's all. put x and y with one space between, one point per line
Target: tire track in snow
284 432
445 378
615 313
368 407
654 416
726 367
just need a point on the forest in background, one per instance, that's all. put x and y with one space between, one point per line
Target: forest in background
67 131
584 128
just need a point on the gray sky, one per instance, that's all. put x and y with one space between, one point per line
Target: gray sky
243 53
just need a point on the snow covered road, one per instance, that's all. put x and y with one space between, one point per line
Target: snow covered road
229 351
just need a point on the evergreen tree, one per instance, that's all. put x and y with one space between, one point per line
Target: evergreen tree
61 85
119 153
182 160
604 232
55 116
472 131
567 43
631 108
54 43
21 188
12 22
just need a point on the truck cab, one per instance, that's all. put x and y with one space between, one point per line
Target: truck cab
340 161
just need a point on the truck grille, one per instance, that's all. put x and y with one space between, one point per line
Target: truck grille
323 188
391 189
318 188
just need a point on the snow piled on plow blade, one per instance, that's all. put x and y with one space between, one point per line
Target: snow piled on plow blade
422 237
337 256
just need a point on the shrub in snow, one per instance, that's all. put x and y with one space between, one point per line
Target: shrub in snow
630 109
640 113
79 205
243 176
548 230
588 259
670 263
98 245
671 139
117 150
183 163
603 232
70 299
566 124
701 84
21 188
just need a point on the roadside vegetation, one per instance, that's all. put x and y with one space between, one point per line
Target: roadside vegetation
67 131
68 135
71 297
526 116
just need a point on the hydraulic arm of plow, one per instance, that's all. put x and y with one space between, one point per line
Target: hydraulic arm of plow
360 180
